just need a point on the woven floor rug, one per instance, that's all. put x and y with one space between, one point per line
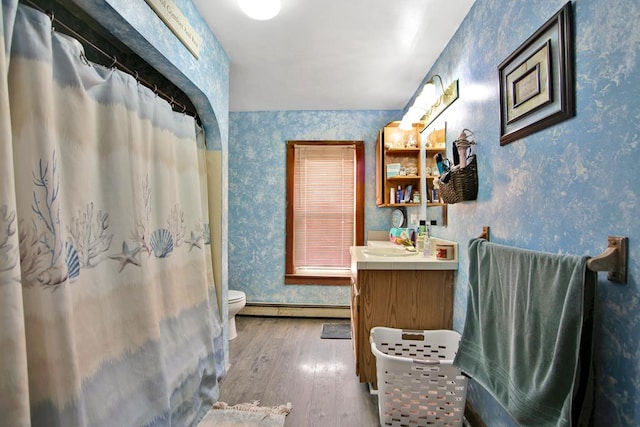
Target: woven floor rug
245 415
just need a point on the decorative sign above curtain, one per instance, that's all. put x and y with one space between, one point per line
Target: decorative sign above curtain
178 24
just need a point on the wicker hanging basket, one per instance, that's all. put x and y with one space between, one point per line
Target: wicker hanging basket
462 184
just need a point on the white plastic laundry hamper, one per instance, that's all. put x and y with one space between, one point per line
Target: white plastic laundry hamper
417 382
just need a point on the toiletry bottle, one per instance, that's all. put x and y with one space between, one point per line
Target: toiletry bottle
427 236
421 235
392 196
399 194
439 163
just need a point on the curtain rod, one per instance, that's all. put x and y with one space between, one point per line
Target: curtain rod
115 63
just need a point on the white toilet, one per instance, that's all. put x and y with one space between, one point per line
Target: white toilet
237 300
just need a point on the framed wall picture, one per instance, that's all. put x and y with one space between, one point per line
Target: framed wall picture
536 80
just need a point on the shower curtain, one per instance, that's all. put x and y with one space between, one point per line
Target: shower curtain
108 312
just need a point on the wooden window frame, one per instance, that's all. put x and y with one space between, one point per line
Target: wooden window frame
291 277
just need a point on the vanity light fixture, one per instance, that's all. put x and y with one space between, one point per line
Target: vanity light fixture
426 106
261 10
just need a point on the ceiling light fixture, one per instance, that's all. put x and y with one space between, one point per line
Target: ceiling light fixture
260 9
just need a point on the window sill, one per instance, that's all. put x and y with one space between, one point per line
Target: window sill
311 279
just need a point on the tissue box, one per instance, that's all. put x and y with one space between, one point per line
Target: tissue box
393 169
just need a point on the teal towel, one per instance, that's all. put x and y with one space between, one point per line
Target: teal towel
527 336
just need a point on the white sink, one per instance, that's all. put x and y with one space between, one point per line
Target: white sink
391 252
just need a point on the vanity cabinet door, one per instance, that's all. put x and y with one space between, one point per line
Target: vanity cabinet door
402 299
355 323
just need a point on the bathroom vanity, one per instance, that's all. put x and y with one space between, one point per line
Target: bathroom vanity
398 289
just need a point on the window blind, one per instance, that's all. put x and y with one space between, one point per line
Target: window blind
324 206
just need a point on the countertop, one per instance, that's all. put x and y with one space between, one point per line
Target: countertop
417 261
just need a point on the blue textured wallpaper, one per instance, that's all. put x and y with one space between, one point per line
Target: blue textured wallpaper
257 175
563 189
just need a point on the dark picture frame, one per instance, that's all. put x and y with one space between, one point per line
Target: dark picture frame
536 80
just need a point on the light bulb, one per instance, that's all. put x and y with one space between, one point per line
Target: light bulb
427 96
260 9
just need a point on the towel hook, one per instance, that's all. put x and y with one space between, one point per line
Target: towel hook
486 233
613 259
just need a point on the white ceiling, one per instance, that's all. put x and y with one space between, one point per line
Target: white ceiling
332 54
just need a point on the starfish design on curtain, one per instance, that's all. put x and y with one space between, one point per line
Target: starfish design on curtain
127 256
194 241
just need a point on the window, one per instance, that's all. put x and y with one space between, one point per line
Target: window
325 210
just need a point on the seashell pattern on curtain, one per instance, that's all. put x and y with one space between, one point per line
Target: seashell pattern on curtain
107 301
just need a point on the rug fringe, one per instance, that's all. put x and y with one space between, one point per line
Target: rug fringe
255 407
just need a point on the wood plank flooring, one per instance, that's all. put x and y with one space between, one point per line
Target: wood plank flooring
281 359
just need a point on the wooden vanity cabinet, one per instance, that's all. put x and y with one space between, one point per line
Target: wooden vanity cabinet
402 299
